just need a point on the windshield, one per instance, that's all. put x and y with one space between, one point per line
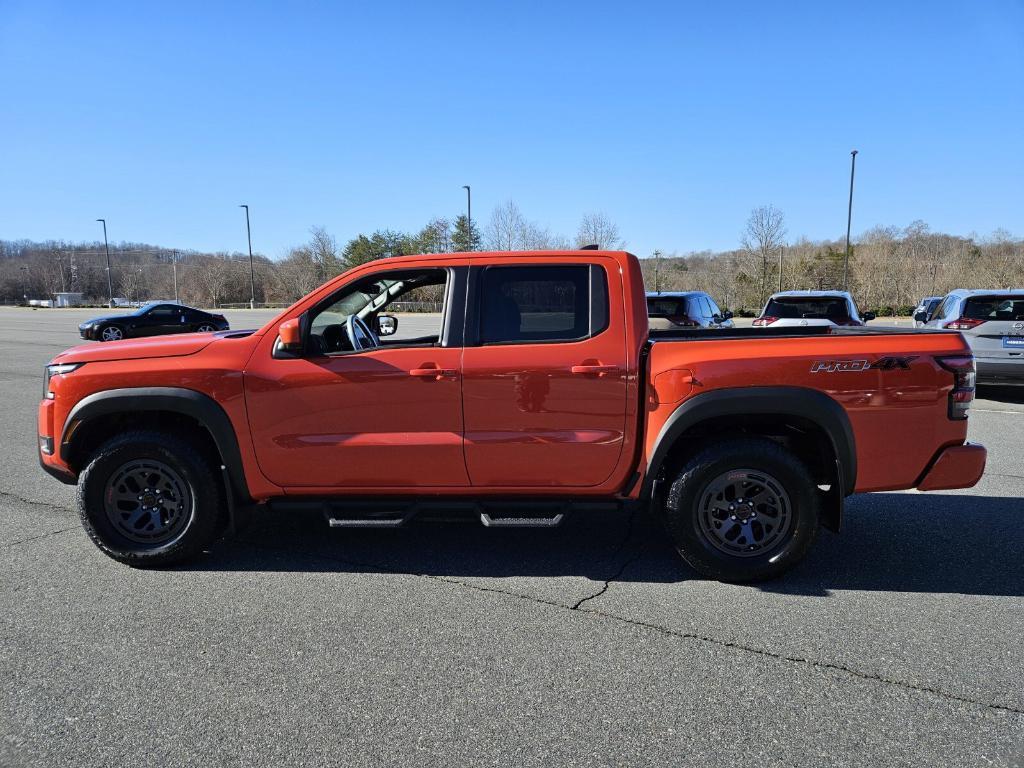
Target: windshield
994 308
810 307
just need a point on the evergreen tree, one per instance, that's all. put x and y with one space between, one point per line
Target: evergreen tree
466 236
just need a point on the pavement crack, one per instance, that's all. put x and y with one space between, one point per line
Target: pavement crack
32 502
618 551
806 661
46 535
679 634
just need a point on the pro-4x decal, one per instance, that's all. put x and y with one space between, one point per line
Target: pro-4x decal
846 366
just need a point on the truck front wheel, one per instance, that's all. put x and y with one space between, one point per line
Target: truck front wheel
743 510
149 499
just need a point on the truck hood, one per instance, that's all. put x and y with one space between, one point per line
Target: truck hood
137 349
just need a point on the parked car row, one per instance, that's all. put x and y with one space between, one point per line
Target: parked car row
696 309
991 321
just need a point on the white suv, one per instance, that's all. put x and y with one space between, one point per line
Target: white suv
789 308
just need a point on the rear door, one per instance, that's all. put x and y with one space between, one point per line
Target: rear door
544 374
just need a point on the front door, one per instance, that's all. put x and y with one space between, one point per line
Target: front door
385 416
544 376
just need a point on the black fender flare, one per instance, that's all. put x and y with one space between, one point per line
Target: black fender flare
203 408
804 403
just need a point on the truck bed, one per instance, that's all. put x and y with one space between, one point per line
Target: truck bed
888 381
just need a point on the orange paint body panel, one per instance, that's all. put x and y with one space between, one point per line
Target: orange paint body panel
959 466
580 418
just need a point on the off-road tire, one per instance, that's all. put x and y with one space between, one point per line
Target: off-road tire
694 485
200 520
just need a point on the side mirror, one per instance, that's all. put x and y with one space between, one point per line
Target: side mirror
290 334
921 317
868 316
387 325
727 315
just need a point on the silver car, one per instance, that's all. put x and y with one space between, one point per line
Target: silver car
992 322
924 310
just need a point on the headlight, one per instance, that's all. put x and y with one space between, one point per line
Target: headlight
58 369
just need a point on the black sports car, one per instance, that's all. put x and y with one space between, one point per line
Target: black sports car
153 319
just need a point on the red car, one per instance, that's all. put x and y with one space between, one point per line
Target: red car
540 390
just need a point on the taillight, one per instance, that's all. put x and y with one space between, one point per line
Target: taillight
964 374
765 320
963 324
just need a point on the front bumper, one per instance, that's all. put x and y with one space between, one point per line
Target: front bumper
958 466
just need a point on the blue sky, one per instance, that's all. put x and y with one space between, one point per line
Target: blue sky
674 119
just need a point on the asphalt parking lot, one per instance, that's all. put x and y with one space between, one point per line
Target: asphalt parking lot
896 643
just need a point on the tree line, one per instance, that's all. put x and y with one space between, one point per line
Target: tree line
890 268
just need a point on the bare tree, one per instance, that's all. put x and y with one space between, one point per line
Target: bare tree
764 235
323 249
130 282
215 276
509 230
597 229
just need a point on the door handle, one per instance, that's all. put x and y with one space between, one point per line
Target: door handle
594 368
434 373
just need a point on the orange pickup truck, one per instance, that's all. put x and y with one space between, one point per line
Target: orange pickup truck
538 390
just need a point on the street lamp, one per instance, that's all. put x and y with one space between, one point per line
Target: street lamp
252 273
174 268
106 246
469 208
849 218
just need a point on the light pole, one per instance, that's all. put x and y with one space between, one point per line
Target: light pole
657 271
174 269
849 218
252 273
469 208
106 246
782 250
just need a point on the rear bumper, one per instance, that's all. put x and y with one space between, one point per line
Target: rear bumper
958 466
1000 371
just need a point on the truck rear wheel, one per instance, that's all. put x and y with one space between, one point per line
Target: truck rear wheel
149 499
743 510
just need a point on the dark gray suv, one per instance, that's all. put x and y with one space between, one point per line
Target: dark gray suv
685 309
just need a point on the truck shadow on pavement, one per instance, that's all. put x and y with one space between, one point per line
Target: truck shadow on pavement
901 542
1008 395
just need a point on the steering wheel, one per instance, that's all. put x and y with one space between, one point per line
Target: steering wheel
359 334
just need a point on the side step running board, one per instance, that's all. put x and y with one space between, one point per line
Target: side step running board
366 522
395 512
521 522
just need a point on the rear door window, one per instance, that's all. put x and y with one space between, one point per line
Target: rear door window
532 304
705 307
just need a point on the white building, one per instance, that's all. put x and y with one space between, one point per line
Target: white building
67 299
